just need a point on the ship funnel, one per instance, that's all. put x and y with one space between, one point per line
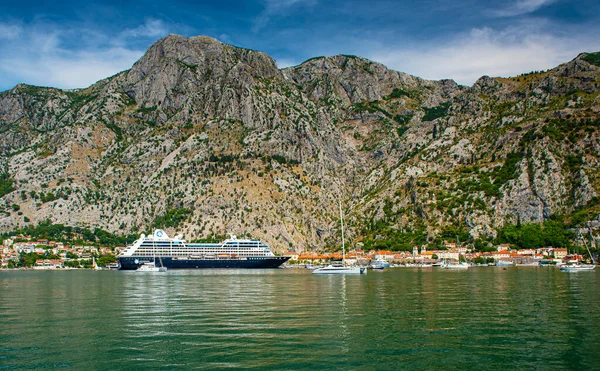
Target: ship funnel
159 233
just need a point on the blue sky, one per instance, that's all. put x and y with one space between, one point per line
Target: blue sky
71 44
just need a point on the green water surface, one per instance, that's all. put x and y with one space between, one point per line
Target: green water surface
288 319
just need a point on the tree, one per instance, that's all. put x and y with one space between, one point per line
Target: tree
105 260
479 260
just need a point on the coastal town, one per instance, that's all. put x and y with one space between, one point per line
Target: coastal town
27 252
505 254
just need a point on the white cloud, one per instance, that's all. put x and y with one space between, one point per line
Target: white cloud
225 38
9 31
485 51
70 70
277 7
153 28
523 7
40 53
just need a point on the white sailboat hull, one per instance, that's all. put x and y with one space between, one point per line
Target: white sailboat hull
456 266
151 267
577 268
330 269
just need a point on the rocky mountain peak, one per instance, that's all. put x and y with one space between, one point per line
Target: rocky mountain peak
590 57
349 78
584 64
176 67
486 85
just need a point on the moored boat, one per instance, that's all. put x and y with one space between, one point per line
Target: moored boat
456 266
150 267
577 267
379 264
341 268
176 253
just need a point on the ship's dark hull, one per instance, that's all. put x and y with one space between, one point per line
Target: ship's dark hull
251 262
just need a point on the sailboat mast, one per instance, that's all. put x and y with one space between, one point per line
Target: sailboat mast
342 224
592 242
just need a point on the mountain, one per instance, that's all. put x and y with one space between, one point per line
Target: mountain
205 138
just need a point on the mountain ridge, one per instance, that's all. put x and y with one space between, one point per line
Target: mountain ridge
242 146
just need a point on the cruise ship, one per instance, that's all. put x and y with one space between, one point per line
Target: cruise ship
175 253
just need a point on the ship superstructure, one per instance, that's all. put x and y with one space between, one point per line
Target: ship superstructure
176 253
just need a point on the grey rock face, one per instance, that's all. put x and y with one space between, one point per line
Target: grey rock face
176 67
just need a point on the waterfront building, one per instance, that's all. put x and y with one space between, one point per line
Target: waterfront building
559 253
530 252
451 254
382 255
500 255
293 255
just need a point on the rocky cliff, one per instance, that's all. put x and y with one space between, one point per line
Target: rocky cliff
206 138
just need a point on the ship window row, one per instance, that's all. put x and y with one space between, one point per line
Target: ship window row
200 250
212 250
160 244
207 247
229 244
166 253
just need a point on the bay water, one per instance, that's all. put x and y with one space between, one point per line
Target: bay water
288 319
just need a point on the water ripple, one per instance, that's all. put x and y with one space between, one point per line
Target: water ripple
290 319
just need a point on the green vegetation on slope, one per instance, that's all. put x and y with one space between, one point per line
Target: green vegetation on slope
490 182
76 235
395 240
436 112
400 93
593 58
5 184
172 218
535 235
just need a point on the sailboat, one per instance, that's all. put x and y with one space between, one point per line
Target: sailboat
341 268
577 267
151 266
461 265
455 265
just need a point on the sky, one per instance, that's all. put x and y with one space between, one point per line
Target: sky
72 44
